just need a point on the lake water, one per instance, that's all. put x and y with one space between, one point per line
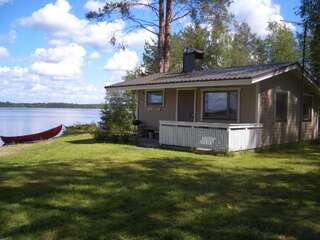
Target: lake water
21 121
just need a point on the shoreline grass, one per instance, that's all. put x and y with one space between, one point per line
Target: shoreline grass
75 188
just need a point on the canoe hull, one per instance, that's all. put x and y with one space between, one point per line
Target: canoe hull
32 137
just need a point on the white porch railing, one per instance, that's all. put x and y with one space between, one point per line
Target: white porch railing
217 137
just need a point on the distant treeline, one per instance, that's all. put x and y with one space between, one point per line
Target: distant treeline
49 105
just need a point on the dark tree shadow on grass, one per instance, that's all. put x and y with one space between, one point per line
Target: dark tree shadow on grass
84 141
172 198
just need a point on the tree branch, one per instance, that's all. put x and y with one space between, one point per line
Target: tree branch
182 16
142 21
154 9
141 25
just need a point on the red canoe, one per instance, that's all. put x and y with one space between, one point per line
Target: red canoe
32 137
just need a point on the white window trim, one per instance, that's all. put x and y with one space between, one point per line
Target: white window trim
221 90
194 101
312 99
154 90
275 105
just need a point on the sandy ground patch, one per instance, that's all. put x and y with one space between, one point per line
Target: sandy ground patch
13 149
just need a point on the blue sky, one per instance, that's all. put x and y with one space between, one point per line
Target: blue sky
49 52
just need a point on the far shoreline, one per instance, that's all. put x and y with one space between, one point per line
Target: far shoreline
50 105
51 108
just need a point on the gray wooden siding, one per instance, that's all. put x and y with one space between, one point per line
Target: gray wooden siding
151 115
285 132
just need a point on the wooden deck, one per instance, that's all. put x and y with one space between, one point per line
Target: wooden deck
215 137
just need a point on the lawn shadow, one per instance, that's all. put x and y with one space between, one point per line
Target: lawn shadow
158 198
84 141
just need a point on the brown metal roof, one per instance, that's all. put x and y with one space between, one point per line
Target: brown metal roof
230 73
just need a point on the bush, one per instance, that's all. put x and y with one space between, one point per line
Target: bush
117 117
81 128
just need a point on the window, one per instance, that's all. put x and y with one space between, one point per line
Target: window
220 105
307 108
154 98
281 111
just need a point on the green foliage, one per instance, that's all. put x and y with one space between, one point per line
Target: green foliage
80 128
217 52
242 46
224 48
117 117
151 57
135 73
176 53
315 52
310 13
261 55
193 36
281 44
205 11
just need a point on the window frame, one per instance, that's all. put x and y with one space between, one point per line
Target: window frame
275 105
227 90
311 108
151 91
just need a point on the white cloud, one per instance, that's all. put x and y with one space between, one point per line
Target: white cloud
9 37
257 13
57 21
3 2
122 60
61 62
57 42
72 91
4 53
94 55
93 5
99 34
55 73
38 88
20 84
16 74
137 38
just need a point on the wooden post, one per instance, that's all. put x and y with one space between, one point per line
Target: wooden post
302 80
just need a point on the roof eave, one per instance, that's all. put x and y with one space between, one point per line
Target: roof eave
274 73
207 83
216 83
288 68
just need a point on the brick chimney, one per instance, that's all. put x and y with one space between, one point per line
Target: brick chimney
192 59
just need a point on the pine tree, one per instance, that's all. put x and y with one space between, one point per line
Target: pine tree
117 117
310 13
163 15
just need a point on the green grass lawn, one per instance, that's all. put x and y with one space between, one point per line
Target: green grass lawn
74 188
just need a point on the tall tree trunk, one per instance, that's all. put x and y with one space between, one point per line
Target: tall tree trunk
161 40
167 41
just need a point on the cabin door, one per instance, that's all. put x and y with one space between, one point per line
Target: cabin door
186 105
